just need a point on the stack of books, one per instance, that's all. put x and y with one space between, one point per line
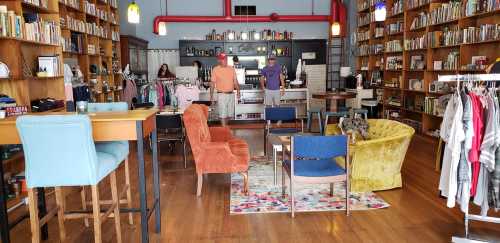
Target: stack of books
11 25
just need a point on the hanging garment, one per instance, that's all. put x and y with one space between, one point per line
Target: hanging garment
488 145
464 167
129 92
494 183
453 134
477 121
186 95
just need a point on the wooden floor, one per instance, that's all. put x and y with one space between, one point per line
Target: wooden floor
416 214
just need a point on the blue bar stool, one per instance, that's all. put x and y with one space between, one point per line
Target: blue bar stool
60 151
310 114
119 149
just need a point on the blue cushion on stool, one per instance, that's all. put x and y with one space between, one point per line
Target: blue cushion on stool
119 149
107 164
283 130
316 168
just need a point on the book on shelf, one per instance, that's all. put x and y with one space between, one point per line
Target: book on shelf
394 63
11 25
446 12
416 3
450 36
393 46
39 3
39 30
473 7
394 28
419 21
416 43
485 32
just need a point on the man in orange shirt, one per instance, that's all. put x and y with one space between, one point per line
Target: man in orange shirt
225 82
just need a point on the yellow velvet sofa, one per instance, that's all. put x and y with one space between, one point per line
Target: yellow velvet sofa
376 162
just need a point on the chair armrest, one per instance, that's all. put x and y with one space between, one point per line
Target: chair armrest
220 134
216 154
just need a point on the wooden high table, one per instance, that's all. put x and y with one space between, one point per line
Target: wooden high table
132 125
333 96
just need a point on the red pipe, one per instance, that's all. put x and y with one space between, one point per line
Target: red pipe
229 18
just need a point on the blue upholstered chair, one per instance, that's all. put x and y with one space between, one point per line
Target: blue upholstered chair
310 113
119 149
60 151
280 114
312 161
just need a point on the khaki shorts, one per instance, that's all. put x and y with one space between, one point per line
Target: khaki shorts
272 97
225 105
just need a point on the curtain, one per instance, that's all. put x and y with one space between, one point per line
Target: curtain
156 57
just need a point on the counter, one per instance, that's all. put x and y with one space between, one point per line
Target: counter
251 103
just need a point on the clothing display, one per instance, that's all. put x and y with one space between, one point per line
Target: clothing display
186 95
471 161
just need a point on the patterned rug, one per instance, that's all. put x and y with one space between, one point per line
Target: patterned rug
265 197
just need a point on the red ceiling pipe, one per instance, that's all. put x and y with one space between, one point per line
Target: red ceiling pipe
229 18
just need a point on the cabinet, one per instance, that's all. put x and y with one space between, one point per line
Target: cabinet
134 52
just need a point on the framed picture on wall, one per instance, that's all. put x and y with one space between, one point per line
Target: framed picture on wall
415 84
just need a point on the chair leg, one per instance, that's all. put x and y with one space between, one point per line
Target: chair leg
325 124
200 184
292 197
184 153
245 182
84 205
129 193
275 160
116 202
320 123
309 117
61 208
331 189
96 210
347 200
34 220
282 182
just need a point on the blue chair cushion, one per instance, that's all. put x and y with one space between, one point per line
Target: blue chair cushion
106 164
283 130
119 149
316 168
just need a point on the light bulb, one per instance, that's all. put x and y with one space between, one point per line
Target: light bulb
162 28
230 36
335 29
244 36
133 13
256 36
380 11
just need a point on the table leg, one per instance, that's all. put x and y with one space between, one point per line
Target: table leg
142 183
275 165
4 220
156 182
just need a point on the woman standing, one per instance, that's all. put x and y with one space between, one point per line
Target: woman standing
164 72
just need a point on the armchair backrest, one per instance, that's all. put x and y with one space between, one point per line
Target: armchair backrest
280 113
320 147
59 150
195 122
110 106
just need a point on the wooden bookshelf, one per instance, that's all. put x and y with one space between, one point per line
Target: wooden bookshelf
490 48
20 54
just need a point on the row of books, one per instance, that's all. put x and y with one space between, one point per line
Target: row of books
113 19
397 7
433 106
39 30
396 27
485 32
416 43
72 24
393 46
449 37
452 61
115 35
473 7
379 32
363 35
73 44
420 21
113 3
416 3
363 50
364 19
72 3
97 30
376 49
11 25
39 3
362 5
446 12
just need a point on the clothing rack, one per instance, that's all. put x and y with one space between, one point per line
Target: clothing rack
468 78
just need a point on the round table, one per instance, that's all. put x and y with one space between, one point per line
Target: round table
333 96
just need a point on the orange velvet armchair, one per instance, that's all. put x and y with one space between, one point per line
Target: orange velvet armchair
215 150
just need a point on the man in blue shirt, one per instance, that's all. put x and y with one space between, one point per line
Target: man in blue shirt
270 81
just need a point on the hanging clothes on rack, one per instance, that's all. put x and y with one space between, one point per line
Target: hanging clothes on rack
186 94
129 91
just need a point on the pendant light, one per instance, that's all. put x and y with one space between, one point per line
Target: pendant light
133 13
335 28
380 11
162 28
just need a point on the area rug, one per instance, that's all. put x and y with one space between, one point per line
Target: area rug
265 197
